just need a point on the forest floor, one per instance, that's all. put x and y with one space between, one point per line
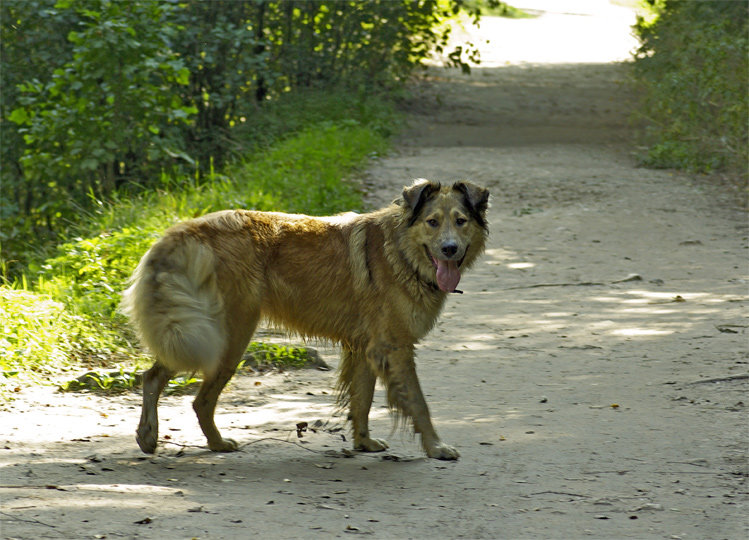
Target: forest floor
593 376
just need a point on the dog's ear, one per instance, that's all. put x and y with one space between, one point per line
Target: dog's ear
476 200
418 193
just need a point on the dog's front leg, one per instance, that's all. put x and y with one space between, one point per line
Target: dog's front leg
361 390
398 369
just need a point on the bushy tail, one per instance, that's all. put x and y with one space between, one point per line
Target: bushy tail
174 302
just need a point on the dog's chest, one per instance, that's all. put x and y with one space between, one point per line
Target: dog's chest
424 315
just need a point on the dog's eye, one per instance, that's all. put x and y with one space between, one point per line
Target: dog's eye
433 222
461 221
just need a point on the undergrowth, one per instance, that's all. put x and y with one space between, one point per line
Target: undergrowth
259 357
62 312
691 74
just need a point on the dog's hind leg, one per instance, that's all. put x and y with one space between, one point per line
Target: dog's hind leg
154 381
205 406
361 390
205 402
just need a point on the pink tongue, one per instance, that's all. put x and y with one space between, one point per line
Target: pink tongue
448 275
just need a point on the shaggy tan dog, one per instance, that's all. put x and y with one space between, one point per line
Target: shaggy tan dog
375 283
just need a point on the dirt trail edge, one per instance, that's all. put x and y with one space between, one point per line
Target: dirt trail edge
593 375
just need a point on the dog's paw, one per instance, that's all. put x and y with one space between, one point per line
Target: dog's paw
224 445
146 439
442 451
371 445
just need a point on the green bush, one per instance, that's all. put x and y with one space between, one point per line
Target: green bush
300 174
104 96
691 71
66 310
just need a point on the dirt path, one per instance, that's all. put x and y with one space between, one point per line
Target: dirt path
574 375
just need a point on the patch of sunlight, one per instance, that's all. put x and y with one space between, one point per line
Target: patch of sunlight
549 325
634 301
653 295
126 488
482 337
485 418
560 314
38 460
602 325
83 500
474 346
582 31
521 265
495 256
647 311
640 332
498 253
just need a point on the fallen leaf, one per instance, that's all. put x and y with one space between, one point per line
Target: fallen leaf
144 521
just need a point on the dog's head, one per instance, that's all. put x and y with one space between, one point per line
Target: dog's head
446 228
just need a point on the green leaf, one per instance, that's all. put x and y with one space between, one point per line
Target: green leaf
89 164
19 116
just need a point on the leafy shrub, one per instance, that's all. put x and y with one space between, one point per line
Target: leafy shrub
102 116
70 312
101 96
91 272
691 70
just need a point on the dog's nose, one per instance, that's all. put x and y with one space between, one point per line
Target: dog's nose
449 249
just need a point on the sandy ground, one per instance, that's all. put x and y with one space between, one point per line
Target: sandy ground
593 375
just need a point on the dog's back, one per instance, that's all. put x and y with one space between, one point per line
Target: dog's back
306 274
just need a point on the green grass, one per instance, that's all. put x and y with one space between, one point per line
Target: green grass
62 314
259 357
